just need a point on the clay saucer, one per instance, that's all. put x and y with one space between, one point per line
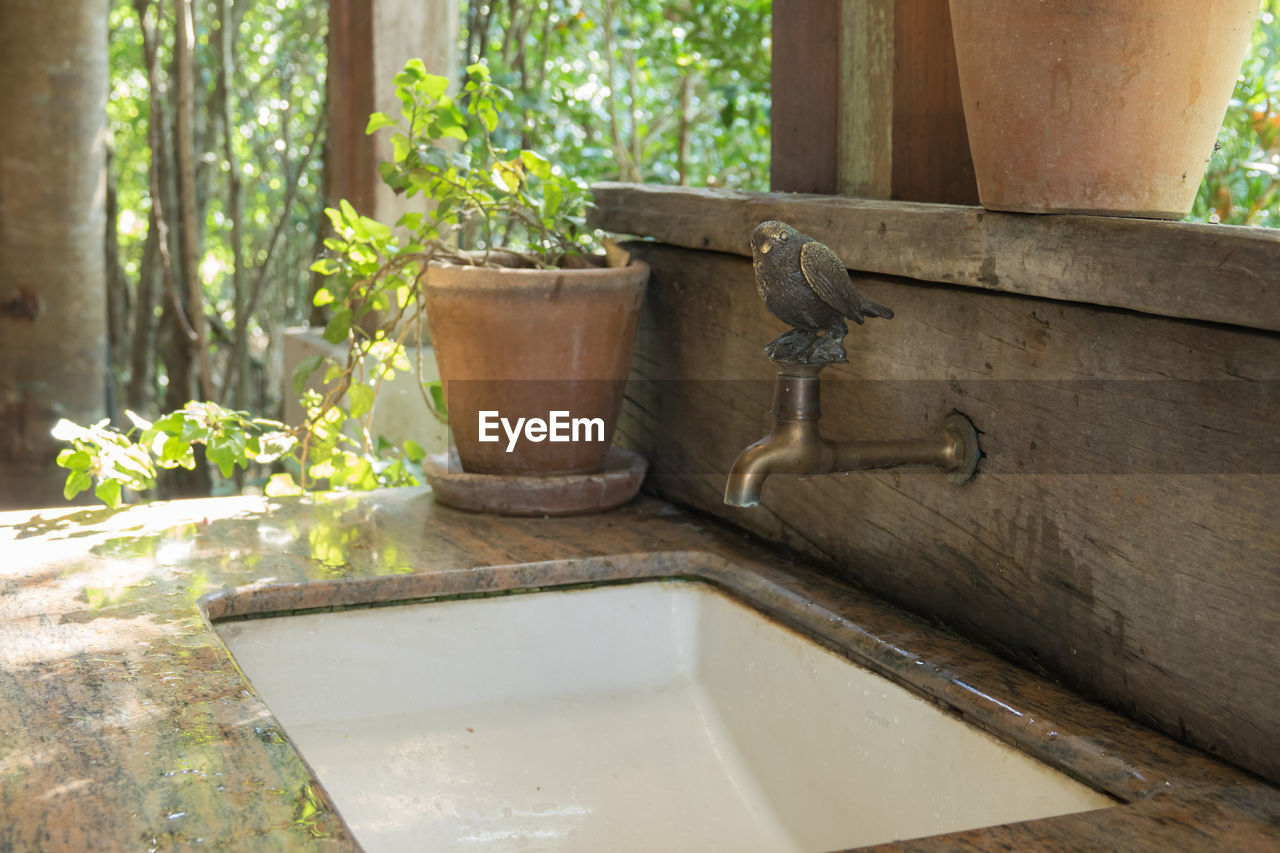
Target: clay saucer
511 494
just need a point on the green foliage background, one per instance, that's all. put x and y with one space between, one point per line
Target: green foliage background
278 115
610 90
1242 184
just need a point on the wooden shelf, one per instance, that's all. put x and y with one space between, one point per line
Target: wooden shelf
1212 273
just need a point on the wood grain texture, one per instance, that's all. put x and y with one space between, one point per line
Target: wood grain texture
866 99
1214 273
931 160
806 96
351 164
1112 536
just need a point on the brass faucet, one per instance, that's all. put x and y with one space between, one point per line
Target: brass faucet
796 444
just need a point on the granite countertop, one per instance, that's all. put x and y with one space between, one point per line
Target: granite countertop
126 725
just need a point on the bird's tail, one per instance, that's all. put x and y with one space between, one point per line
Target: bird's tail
874 309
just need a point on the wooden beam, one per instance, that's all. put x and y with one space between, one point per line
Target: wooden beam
866 99
351 164
1215 273
866 102
369 42
806 96
930 158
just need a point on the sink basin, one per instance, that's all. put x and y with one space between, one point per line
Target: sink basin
663 715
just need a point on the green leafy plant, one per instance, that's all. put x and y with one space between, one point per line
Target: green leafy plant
510 204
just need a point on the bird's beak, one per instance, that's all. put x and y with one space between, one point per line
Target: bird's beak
765 246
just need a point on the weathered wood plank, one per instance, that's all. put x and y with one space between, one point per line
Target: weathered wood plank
1214 273
866 99
1120 533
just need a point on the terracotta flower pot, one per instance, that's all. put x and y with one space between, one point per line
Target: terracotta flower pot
1105 106
527 344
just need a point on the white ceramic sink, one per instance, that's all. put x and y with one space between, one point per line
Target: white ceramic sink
647 716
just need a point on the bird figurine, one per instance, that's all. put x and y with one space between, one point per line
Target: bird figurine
804 284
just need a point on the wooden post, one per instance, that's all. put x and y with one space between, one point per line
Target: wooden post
369 41
806 96
865 165
931 160
866 101
53 328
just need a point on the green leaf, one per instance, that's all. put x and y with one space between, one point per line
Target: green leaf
505 177
65 430
537 165
304 370
362 255
353 219
73 459
416 68
450 124
221 452
434 86
77 482
399 147
281 485
414 451
455 131
552 198
375 229
325 266
108 491
133 465
339 224
377 121
174 449
361 398
339 327
360 475
438 407
272 445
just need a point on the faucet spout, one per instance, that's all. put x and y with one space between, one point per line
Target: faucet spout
796 445
793 446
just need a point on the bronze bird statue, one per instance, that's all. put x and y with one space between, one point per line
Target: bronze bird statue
803 283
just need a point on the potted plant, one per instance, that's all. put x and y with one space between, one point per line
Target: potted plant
532 333
1108 107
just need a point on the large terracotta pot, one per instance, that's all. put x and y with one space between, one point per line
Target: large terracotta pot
1096 106
525 343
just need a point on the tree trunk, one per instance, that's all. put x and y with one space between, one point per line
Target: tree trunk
53 327
119 302
185 161
142 353
239 357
